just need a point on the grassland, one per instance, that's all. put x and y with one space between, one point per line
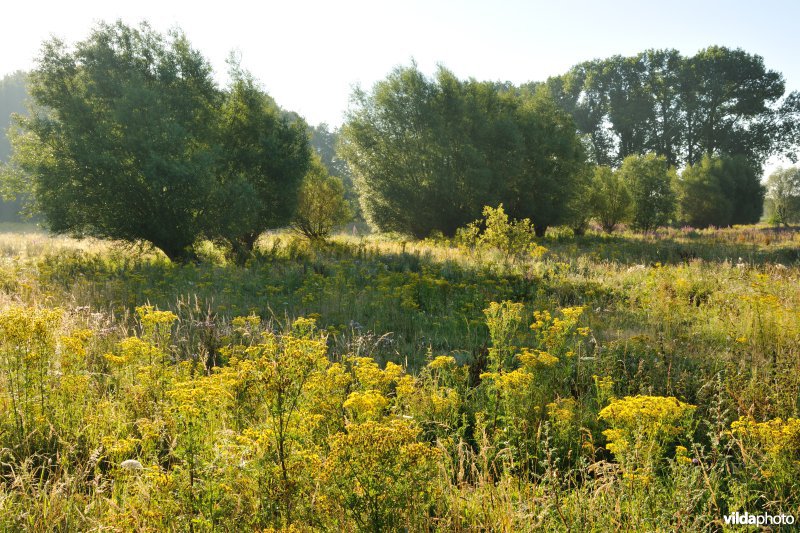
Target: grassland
611 382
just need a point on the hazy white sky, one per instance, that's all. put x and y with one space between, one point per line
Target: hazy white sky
309 54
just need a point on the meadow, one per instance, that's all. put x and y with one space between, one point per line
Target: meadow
600 382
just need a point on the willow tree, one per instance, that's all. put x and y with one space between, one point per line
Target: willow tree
429 154
131 139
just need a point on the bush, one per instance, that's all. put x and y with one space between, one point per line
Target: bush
514 239
783 196
427 154
649 180
321 204
610 201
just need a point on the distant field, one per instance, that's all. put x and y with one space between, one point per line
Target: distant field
624 381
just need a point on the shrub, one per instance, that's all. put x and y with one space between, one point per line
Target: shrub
321 205
380 476
514 239
649 180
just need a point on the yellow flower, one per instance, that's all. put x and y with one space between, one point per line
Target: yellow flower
533 358
367 404
442 361
562 410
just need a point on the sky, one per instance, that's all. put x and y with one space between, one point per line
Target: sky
310 54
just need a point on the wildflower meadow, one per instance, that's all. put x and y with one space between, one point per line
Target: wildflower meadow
561 383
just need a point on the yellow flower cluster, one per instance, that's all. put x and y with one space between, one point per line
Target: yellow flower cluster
133 349
442 361
533 358
552 331
370 375
368 404
563 410
641 425
196 397
659 412
73 348
151 317
777 437
29 330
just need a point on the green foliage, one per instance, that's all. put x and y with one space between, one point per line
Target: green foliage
133 141
13 96
649 180
703 191
783 196
719 192
747 193
513 239
325 142
262 160
321 204
122 150
609 198
719 101
429 154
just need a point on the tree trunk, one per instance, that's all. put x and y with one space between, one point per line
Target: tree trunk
178 254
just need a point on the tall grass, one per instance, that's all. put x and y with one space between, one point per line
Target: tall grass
624 382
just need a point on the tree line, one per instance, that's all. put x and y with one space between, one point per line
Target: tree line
428 153
130 138
719 101
13 94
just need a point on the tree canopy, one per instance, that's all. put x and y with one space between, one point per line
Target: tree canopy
783 196
321 203
720 101
13 95
133 140
428 154
650 182
609 198
262 159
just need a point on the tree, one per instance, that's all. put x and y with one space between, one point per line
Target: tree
13 95
610 200
427 155
262 160
720 101
747 192
720 191
733 93
396 141
321 205
649 180
325 141
132 140
783 196
545 175
122 150
704 194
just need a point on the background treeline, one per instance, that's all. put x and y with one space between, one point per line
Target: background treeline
719 101
13 95
130 138
428 154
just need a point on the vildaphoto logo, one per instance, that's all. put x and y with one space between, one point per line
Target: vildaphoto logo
747 519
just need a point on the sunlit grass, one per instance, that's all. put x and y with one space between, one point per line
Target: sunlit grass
475 382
